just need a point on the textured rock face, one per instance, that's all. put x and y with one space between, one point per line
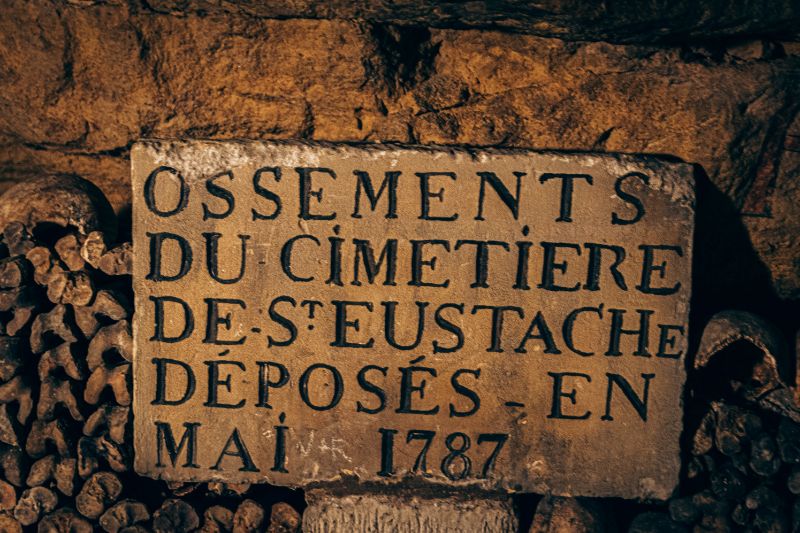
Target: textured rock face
621 20
80 82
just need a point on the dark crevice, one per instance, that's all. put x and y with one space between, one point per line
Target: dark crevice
144 44
406 55
307 127
66 79
199 132
49 233
756 200
117 151
600 142
620 22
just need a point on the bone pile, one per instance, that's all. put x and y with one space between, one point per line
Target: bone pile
65 384
65 395
741 461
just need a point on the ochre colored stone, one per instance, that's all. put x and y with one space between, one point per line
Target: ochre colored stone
71 100
306 313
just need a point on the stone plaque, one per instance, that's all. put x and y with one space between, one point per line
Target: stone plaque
511 320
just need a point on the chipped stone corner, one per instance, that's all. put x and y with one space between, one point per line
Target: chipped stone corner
666 174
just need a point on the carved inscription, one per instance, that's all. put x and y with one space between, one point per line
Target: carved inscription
511 320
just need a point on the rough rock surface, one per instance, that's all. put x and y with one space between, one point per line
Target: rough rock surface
621 20
73 99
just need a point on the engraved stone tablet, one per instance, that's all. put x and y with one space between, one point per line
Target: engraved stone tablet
511 320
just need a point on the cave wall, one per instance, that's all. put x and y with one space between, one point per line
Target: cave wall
713 83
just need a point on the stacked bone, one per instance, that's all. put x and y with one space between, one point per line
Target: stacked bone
742 462
744 474
65 443
743 468
747 463
65 385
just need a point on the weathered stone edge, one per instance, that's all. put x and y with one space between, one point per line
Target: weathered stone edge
676 176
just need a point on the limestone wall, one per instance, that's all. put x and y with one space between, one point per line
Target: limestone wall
81 80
